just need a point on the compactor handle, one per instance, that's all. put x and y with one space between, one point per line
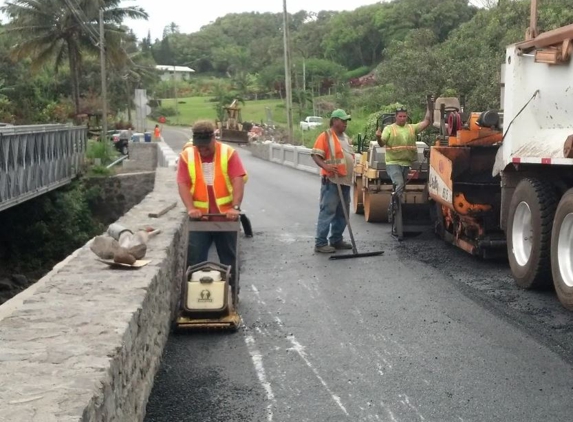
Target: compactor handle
213 215
244 220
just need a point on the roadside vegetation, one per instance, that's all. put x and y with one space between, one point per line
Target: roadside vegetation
390 52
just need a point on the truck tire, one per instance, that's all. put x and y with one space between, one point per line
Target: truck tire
437 216
562 250
530 221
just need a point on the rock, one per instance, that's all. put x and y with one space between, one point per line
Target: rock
122 256
20 280
6 285
105 247
138 251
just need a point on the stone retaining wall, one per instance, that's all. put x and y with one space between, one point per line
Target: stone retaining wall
118 194
84 343
143 156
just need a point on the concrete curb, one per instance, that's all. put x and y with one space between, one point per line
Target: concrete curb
166 157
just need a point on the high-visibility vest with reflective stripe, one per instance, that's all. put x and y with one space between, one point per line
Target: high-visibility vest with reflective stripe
222 186
333 144
403 152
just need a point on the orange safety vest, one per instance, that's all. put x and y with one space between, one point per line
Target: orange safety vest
222 186
332 143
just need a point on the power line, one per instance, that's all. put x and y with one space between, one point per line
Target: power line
84 19
76 12
94 36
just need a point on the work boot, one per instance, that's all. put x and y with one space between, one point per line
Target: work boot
342 245
324 249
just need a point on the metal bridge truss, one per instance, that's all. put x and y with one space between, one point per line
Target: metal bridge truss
37 159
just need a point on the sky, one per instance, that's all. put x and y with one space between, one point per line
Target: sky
191 16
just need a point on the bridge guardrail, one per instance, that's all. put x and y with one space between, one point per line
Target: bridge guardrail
297 157
39 158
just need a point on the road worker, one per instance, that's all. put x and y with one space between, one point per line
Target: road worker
157 133
399 139
331 215
211 180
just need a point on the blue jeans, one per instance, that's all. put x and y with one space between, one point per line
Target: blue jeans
331 216
225 242
399 175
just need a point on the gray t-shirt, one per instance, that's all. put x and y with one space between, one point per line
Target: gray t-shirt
349 158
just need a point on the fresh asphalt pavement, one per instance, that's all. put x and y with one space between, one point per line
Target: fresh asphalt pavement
422 333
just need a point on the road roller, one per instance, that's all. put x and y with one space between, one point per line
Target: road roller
372 190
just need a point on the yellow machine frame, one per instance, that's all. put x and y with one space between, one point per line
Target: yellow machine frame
230 319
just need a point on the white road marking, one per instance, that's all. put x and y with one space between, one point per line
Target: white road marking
299 349
406 402
261 375
291 238
392 417
256 292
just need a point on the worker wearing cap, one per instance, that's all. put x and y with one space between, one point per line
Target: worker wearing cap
399 139
211 180
340 162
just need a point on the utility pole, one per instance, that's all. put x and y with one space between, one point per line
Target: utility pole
304 74
288 85
533 18
103 78
175 94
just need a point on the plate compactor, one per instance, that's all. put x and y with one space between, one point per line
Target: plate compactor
208 301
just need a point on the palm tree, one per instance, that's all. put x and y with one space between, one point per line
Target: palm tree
56 30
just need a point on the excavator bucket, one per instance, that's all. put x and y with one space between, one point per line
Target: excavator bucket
234 136
231 130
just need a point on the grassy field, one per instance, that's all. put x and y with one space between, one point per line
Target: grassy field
195 108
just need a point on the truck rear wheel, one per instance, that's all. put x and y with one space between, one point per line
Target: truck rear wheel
529 226
562 250
358 197
437 216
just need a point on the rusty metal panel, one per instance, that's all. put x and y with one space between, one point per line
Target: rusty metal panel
547 39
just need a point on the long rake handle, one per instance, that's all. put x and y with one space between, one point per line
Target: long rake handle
342 202
346 217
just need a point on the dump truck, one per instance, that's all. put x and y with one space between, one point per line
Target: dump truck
502 182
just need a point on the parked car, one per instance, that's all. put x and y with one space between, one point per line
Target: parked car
311 122
121 144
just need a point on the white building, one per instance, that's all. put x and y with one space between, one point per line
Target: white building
182 73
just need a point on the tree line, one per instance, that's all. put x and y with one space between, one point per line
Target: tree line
411 48
49 58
